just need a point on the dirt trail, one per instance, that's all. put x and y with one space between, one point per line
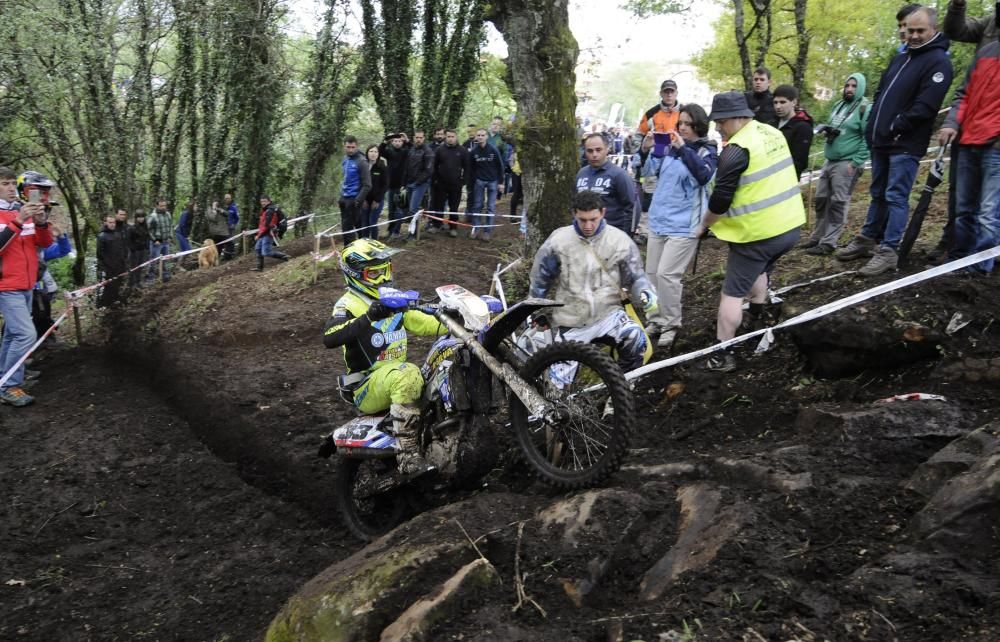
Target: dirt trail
166 485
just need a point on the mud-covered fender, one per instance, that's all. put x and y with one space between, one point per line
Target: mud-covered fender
509 321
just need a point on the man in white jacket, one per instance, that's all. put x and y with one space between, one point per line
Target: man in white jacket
586 266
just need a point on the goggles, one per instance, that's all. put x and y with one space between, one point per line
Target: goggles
376 273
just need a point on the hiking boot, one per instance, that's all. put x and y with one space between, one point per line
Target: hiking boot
453 233
405 421
472 233
485 236
28 385
885 259
654 329
808 243
820 249
860 247
666 339
15 396
723 361
30 375
431 229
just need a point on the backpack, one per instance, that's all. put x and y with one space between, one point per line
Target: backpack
281 226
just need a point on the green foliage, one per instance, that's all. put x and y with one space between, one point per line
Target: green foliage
487 95
647 8
846 36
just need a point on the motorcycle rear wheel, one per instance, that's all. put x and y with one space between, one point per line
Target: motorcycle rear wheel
366 512
598 410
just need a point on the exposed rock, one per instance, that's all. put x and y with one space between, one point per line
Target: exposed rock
381 585
900 420
955 458
969 369
703 530
418 620
741 471
961 518
852 341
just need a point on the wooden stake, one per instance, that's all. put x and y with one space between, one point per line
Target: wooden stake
159 268
76 320
316 251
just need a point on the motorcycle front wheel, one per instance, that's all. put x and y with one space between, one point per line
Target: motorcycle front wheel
368 509
596 415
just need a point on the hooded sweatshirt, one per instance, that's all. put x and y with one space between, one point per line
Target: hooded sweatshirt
798 131
909 96
850 117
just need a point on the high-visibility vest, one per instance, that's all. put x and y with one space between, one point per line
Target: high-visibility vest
768 201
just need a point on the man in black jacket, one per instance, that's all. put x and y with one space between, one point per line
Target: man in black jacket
761 100
394 149
419 168
795 124
112 260
451 169
138 245
905 105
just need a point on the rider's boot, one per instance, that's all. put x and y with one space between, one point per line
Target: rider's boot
405 418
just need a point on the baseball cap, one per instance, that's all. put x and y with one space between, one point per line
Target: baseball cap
668 84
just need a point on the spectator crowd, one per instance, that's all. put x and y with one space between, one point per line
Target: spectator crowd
746 192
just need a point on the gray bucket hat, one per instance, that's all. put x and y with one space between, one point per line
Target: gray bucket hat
730 104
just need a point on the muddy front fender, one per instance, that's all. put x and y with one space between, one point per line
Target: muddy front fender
505 324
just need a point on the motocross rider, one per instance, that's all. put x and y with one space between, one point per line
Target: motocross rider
374 340
588 265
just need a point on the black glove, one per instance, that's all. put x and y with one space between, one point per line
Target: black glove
540 321
378 311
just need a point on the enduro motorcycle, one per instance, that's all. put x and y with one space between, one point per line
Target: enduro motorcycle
569 405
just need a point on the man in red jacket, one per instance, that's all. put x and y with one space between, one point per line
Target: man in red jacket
974 124
23 231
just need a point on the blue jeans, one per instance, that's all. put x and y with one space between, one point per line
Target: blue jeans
415 195
977 208
490 188
395 212
18 333
264 246
155 250
182 242
892 181
369 216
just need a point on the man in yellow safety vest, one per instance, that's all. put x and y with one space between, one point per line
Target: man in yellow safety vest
756 207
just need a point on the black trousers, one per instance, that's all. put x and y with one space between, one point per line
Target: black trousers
453 196
350 216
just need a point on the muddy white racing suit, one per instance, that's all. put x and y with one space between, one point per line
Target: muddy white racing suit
588 275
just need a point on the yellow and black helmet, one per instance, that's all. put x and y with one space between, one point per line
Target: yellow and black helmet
366 265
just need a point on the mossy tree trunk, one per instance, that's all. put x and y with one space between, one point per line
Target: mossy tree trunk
542 53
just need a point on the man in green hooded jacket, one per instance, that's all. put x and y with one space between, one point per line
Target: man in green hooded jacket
846 153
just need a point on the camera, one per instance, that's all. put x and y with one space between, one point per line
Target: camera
830 132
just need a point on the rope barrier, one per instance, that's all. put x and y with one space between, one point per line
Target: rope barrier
816 313
20 362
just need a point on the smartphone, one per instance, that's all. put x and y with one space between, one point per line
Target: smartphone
35 196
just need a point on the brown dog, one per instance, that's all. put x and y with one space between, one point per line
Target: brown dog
209 255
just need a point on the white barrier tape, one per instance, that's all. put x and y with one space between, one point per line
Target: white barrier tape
823 310
796 286
327 233
20 362
499 285
516 217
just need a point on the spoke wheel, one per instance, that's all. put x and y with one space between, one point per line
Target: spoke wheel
596 414
368 511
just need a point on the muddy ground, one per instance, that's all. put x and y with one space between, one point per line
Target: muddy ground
166 487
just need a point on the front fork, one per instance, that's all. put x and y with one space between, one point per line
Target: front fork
536 404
